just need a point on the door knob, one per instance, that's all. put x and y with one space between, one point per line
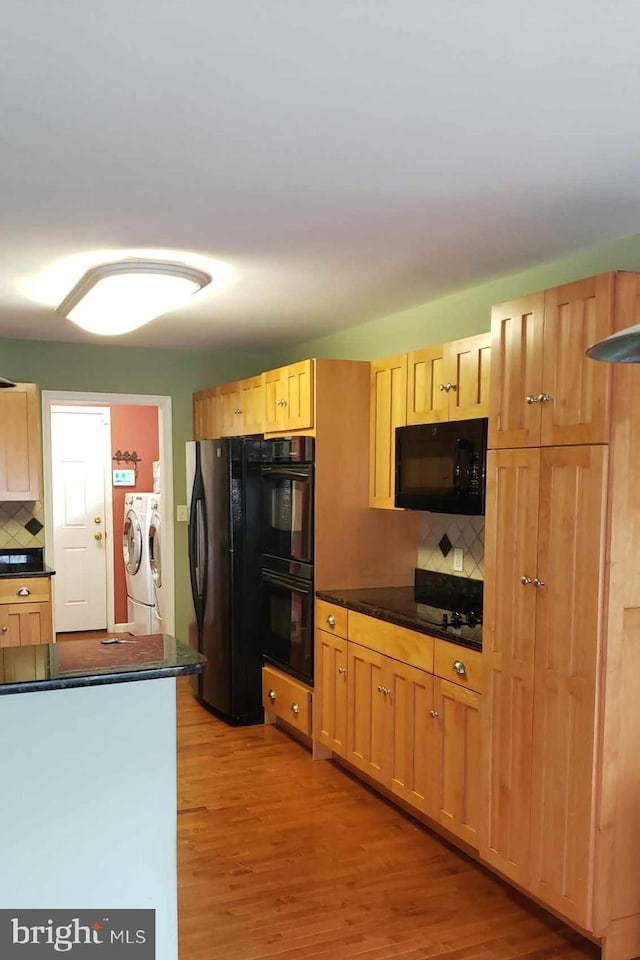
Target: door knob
4 629
538 583
331 620
272 695
434 714
543 398
342 669
97 519
97 536
525 581
459 667
532 399
295 709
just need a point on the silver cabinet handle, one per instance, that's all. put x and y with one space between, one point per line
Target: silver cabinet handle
295 709
434 714
237 410
537 582
23 592
452 386
442 386
342 669
543 398
272 695
525 581
331 620
380 688
531 399
4 629
459 668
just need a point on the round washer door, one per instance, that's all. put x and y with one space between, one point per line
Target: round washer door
132 542
155 553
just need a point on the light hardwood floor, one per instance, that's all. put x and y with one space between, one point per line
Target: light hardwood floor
281 858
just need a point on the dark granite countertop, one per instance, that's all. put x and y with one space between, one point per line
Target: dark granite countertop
88 663
23 562
398 605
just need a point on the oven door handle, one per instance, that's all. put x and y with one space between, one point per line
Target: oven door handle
279 580
287 472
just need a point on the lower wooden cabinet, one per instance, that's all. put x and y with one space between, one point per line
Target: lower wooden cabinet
25 611
287 699
414 733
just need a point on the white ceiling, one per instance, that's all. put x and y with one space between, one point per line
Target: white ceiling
345 158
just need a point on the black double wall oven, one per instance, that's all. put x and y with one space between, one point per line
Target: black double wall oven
287 555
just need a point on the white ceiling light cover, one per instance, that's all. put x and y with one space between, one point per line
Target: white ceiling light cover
115 298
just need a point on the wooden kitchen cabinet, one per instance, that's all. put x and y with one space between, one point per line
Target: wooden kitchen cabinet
289 398
544 390
251 392
205 415
25 611
332 659
542 630
450 382
368 720
457 759
412 747
388 410
20 442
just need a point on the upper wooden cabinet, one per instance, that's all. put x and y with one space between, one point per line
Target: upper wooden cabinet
20 442
544 390
450 382
205 414
388 410
289 398
231 410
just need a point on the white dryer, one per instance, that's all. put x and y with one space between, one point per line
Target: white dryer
155 559
141 605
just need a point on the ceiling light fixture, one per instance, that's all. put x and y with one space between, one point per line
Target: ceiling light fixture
6 383
620 347
115 298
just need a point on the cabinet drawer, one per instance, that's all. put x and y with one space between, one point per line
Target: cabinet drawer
408 646
39 590
287 698
331 618
458 664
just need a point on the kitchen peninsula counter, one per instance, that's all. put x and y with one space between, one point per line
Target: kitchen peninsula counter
89 799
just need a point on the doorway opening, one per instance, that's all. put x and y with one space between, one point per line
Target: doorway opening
79 433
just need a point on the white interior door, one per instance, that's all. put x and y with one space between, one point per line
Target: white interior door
80 444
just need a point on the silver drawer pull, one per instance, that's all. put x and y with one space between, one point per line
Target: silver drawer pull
525 581
459 668
331 620
537 582
434 714
530 400
272 695
543 398
342 669
23 592
295 709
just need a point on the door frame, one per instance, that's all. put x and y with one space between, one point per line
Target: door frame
165 437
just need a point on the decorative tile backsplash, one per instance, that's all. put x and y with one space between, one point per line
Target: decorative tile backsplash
440 533
21 524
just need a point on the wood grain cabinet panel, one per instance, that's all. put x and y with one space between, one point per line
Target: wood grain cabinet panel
23 624
368 719
388 410
205 415
544 389
411 751
331 655
457 760
450 382
20 442
289 398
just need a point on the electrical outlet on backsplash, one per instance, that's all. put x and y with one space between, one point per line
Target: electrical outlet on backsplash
441 534
21 524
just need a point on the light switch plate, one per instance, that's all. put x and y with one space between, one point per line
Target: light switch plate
182 513
458 559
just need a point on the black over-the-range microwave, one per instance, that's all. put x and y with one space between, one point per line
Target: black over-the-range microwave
441 467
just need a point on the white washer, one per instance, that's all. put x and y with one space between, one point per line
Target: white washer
141 604
155 558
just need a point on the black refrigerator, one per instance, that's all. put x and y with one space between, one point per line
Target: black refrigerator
223 490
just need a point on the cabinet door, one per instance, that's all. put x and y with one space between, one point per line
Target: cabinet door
571 566
204 415
20 443
230 410
332 675
516 372
427 377
388 410
457 759
367 713
468 371
271 396
411 699
578 389
251 397
511 537
296 393
23 624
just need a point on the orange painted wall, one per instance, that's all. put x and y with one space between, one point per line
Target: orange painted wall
132 428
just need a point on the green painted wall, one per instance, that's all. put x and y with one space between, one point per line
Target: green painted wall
113 369
462 313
